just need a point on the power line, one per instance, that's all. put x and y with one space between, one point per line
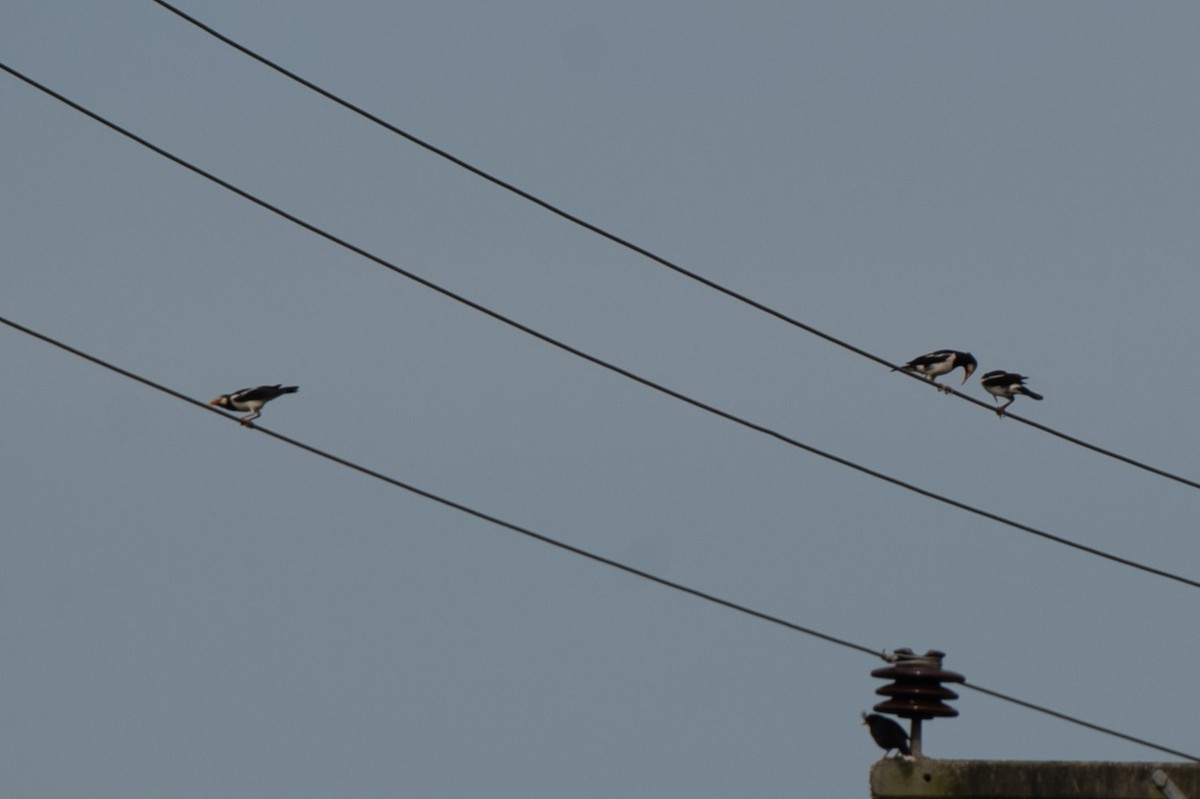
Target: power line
447 502
545 539
710 283
1047 711
929 494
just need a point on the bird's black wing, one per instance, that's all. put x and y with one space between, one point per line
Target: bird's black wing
930 359
1000 378
259 394
887 733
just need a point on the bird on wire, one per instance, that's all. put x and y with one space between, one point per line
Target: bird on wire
888 734
939 363
251 399
1006 384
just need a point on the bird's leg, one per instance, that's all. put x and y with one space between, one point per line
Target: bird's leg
1000 410
246 420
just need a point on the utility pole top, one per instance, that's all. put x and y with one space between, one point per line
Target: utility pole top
1022 779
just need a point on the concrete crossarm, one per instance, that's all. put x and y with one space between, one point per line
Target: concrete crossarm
1020 779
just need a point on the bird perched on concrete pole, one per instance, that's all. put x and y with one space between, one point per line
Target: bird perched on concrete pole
1006 384
888 734
251 399
942 362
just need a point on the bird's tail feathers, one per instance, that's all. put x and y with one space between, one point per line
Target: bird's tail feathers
294 389
1030 394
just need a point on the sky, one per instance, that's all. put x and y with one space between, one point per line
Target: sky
193 609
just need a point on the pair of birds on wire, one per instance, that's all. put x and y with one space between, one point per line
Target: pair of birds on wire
998 383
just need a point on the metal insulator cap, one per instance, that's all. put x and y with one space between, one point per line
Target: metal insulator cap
916 690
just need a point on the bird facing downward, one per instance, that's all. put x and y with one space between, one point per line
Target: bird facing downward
251 399
888 734
942 362
1006 384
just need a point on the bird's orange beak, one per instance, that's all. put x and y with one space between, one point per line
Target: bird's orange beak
969 371
216 401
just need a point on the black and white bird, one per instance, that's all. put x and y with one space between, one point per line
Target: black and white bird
1006 384
251 399
888 734
942 362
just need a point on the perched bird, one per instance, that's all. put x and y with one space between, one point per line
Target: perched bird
942 362
251 399
888 734
1006 384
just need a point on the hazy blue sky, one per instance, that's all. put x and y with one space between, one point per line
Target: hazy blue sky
189 609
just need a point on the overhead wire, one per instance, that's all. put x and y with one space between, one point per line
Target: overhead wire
442 500
629 245
794 442
1074 720
562 545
